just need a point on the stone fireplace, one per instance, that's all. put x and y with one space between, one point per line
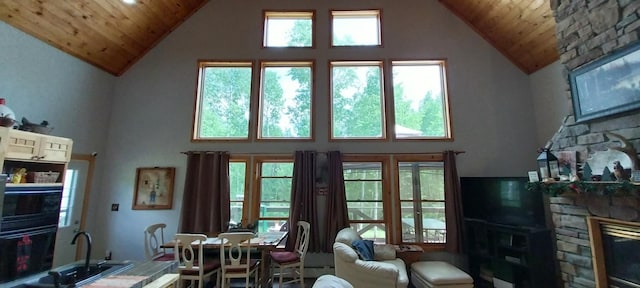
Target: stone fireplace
588 30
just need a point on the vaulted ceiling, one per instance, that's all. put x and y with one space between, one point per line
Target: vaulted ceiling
113 35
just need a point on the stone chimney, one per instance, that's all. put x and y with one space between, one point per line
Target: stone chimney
588 30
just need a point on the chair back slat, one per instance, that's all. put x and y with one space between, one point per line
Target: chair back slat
302 239
152 244
235 254
190 258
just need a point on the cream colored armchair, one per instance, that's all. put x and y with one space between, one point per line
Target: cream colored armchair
387 273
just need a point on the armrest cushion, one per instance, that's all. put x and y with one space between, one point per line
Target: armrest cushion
384 252
344 252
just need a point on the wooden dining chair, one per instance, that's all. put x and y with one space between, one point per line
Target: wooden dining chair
235 258
153 240
193 266
291 263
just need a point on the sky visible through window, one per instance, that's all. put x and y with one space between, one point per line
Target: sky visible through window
417 81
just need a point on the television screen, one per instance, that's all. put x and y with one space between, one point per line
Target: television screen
503 200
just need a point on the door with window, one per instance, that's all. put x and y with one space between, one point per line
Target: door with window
421 198
77 182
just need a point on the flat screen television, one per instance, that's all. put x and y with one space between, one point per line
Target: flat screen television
502 200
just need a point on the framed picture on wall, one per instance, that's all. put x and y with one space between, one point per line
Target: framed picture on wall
154 188
607 86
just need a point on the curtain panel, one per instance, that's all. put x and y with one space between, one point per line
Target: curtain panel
205 203
337 217
453 204
303 202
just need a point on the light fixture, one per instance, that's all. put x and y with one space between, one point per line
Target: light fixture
548 164
130 2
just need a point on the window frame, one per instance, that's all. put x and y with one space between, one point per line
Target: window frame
293 63
446 101
386 189
197 110
246 208
284 14
355 13
433 157
258 160
383 101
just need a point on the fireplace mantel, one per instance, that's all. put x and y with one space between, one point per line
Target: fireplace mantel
614 188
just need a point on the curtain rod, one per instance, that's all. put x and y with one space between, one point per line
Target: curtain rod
455 151
187 152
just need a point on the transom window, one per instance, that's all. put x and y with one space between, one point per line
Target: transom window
285 100
357 106
420 100
223 101
288 29
356 28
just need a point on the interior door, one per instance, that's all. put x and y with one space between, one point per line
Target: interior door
76 192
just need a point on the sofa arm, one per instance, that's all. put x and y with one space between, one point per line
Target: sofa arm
367 274
379 269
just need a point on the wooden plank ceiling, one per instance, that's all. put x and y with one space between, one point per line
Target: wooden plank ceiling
113 35
523 30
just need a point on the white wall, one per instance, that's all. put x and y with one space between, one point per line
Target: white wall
551 103
493 119
43 83
143 118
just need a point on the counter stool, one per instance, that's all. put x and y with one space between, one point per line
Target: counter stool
438 274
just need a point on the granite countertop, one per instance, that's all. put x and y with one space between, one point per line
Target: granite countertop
134 274
140 274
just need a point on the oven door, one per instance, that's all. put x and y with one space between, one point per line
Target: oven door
26 252
30 206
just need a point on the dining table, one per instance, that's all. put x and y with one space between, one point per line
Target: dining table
265 242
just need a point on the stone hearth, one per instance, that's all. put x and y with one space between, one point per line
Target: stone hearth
570 213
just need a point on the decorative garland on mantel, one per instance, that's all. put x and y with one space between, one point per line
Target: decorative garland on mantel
601 188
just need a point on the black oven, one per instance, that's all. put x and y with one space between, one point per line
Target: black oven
28 229
27 252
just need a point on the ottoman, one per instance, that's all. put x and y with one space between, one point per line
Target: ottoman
438 274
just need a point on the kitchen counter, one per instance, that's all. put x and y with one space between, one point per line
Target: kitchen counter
135 274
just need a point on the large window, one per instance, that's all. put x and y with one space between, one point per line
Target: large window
274 192
420 100
421 197
285 100
357 106
366 194
356 28
223 101
288 29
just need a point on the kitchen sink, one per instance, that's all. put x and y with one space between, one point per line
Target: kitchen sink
77 274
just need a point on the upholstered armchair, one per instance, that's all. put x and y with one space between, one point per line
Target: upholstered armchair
385 271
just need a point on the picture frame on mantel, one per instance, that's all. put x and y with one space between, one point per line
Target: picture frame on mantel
154 188
607 86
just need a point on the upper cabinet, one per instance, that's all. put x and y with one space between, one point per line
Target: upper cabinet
37 158
28 146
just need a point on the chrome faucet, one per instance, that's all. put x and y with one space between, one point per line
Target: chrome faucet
88 240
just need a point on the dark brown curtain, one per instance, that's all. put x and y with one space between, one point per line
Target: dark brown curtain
337 217
205 204
303 204
453 204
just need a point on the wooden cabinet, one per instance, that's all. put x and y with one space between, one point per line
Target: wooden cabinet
522 256
28 146
36 153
